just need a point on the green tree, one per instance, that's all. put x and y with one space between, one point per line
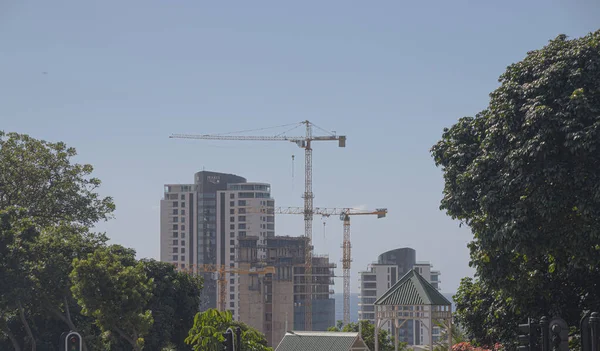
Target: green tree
208 329
367 330
17 236
39 177
174 303
35 288
114 289
524 175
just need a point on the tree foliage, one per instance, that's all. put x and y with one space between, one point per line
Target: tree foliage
47 205
367 330
174 304
115 291
524 175
208 329
39 177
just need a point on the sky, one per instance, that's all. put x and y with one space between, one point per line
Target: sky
115 78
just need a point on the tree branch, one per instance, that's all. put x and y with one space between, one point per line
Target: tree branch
127 337
26 325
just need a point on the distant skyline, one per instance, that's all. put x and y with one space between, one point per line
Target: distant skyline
115 78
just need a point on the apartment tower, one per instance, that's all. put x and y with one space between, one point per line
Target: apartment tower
382 275
188 226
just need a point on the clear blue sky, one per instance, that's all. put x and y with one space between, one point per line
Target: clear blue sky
123 75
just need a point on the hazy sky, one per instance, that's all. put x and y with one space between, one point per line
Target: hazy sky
115 78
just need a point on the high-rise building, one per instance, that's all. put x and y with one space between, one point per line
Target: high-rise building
390 267
274 303
188 226
244 209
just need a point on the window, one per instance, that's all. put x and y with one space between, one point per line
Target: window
232 288
175 219
175 235
232 257
232 304
231 203
231 211
232 296
182 242
174 226
183 204
232 250
175 204
183 265
182 235
232 226
271 226
232 196
175 242
242 218
232 219
241 210
175 250
231 242
232 281
182 196
182 250
241 226
241 202
175 211
175 258
183 212
183 258
232 234
182 228
231 265
242 234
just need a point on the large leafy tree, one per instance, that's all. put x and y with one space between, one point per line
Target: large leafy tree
17 237
174 303
40 177
209 326
524 175
114 289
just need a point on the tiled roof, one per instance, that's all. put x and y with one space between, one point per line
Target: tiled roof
317 341
412 289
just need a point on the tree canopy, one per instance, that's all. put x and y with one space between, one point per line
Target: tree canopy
367 329
209 326
38 176
524 175
57 275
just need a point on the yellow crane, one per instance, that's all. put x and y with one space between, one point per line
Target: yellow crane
345 214
304 142
222 272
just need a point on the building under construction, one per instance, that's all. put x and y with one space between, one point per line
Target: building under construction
274 303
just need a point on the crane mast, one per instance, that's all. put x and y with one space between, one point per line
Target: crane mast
304 142
308 223
344 214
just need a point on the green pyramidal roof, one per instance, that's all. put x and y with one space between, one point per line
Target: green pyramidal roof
412 289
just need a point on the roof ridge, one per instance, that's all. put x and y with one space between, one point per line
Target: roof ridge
412 289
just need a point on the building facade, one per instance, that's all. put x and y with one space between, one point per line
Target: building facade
188 226
274 303
243 210
381 276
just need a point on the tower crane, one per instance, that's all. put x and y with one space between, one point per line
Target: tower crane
222 271
304 142
344 214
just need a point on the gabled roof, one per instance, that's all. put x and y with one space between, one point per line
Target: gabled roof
320 341
412 289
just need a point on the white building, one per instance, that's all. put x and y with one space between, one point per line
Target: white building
177 225
390 267
244 209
